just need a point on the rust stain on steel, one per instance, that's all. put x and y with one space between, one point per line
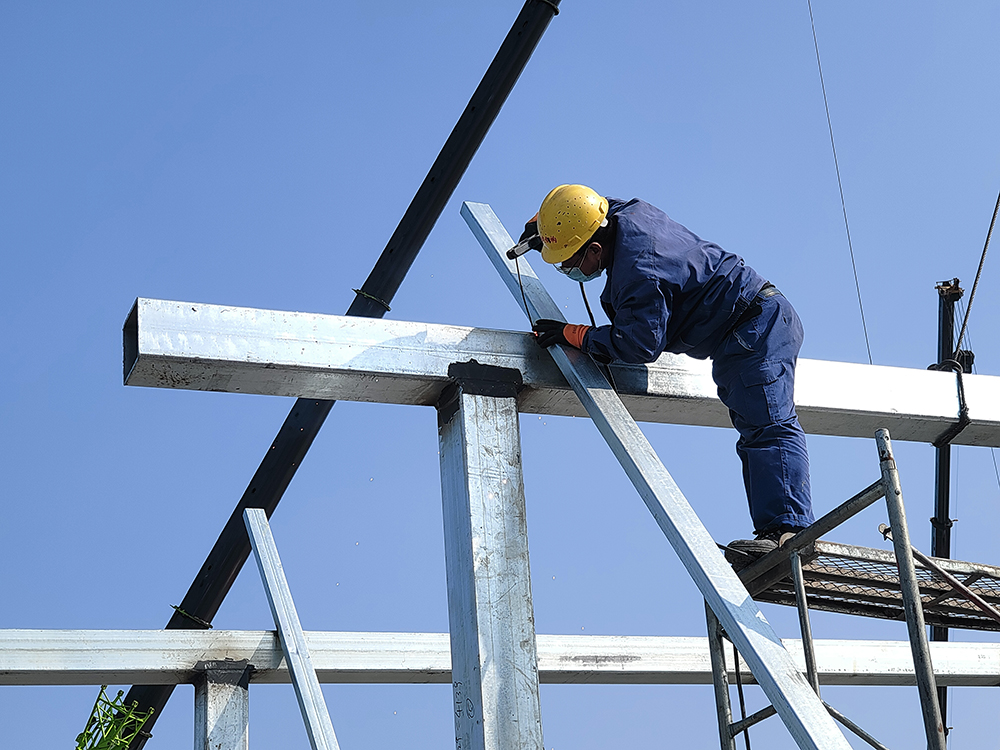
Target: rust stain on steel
598 659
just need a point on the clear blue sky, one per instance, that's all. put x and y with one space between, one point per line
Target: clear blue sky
261 155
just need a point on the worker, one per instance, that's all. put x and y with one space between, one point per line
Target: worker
669 290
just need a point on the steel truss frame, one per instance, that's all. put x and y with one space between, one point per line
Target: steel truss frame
492 643
222 684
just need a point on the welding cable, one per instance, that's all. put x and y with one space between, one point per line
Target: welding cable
586 303
604 368
840 184
964 420
524 299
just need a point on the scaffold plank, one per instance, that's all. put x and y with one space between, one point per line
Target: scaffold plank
195 346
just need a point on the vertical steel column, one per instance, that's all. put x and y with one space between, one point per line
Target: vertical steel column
926 683
720 680
493 653
293 640
222 706
949 292
779 677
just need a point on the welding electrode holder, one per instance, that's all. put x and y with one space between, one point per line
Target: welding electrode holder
531 243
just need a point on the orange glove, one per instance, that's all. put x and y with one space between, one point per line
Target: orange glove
574 334
551 332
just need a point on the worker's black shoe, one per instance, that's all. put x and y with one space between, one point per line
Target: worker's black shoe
742 552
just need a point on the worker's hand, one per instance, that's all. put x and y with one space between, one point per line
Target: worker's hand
530 233
530 229
550 332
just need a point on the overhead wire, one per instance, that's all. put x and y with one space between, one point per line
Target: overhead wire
996 471
586 303
604 368
840 184
979 273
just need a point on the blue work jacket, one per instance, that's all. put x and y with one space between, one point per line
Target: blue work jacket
667 289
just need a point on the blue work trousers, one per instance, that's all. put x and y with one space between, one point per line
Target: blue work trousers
754 368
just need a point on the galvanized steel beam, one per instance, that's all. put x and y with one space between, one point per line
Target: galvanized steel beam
491 619
241 350
799 707
304 420
178 657
222 706
312 704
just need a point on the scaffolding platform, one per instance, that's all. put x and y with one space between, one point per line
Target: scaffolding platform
865 581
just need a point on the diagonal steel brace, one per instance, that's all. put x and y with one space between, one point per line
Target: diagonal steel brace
804 714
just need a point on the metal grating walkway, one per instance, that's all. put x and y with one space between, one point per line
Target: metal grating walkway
865 581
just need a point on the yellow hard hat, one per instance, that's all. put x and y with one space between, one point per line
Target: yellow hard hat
569 216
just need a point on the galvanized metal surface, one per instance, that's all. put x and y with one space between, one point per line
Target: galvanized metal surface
495 664
222 707
241 350
926 684
172 657
799 707
319 728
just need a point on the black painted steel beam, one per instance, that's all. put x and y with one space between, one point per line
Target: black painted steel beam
231 550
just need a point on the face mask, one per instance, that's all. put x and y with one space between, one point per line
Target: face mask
575 274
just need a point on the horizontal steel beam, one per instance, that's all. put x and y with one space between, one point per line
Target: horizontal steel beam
243 350
172 657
